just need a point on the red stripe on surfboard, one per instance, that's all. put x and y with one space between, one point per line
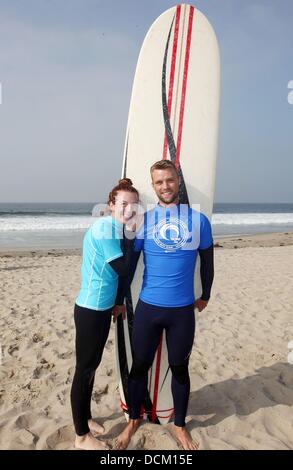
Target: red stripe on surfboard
184 84
125 408
172 72
157 376
179 69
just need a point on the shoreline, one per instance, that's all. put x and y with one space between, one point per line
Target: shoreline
263 240
226 242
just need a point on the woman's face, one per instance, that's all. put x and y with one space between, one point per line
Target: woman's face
125 206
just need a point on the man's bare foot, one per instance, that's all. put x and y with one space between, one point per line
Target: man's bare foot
127 433
95 428
89 442
184 438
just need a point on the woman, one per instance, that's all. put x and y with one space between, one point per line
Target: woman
102 262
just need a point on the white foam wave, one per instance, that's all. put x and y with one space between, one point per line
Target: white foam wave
253 219
45 223
50 223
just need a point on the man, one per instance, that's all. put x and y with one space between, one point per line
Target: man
171 237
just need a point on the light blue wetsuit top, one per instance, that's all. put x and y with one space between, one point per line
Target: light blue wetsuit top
99 281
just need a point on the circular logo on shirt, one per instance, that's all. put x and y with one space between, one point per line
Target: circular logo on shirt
170 235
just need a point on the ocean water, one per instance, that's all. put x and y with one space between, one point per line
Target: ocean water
62 225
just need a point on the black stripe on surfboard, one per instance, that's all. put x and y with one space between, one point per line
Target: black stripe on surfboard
163 382
183 196
125 160
123 365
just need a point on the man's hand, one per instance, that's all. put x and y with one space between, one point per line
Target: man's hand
118 310
200 304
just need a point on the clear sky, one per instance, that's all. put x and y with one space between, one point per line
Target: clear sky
67 67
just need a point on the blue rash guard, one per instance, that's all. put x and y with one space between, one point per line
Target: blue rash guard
170 239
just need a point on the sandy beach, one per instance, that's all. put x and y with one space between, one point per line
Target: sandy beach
241 381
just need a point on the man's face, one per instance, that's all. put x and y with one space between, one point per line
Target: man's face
166 185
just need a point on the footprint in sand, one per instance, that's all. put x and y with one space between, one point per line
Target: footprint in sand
64 355
60 439
25 421
24 438
62 397
37 337
98 394
13 349
42 370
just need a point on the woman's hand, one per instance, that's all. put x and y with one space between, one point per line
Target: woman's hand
118 310
135 222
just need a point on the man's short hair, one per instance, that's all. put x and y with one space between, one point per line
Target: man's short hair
164 165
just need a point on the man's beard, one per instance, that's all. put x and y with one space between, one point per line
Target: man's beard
168 201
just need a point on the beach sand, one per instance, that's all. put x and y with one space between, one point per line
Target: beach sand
241 381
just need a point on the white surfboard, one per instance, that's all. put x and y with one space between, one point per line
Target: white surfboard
173 115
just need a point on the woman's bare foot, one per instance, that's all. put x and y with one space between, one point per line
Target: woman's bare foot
127 433
95 428
89 442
